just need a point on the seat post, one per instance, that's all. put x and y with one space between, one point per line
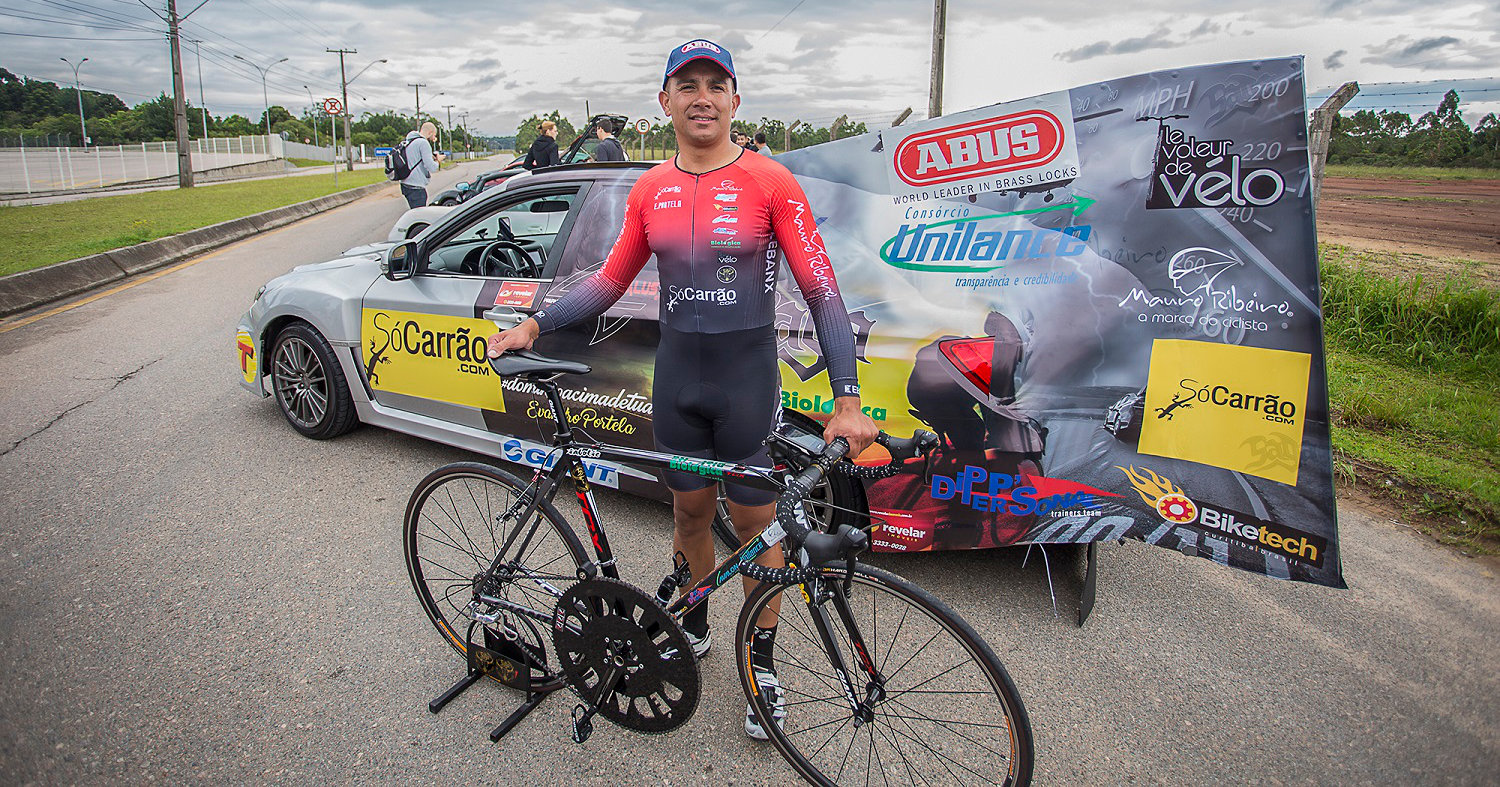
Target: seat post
564 429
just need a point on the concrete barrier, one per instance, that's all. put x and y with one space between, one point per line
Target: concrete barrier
40 286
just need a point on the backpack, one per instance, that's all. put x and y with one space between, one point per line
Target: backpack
396 166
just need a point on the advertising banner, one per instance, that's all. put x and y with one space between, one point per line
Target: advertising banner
1105 302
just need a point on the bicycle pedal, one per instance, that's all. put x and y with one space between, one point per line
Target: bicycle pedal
583 726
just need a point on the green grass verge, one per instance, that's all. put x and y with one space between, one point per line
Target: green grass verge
1410 173
308 162
35 235
1414 384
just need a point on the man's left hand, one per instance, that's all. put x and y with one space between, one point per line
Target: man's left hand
850 422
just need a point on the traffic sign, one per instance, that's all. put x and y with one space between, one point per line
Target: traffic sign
332 106
643 125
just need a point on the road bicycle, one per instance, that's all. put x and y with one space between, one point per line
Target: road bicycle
882 682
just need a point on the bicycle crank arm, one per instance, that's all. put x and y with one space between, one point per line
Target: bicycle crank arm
583 724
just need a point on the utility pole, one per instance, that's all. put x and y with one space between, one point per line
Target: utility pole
419 102
468 145
449 107
344 91
901 118
833 131
939 37
179 103
78 88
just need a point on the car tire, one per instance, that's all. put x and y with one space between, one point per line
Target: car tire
309 385
846 494
447 203
415 230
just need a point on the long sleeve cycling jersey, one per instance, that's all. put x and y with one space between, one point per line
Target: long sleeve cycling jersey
717 237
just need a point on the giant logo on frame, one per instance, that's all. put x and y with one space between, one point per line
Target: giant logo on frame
987 147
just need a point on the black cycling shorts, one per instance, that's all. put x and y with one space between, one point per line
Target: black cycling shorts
716 396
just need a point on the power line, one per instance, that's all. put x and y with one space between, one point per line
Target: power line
71 38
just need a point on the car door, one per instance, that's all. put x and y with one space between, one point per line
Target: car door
423 338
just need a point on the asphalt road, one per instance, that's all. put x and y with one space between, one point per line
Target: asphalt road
190 591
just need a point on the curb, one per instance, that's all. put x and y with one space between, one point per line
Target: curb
39 286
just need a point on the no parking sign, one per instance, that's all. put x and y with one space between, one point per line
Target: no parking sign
332 106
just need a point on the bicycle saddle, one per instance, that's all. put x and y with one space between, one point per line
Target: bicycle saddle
525 363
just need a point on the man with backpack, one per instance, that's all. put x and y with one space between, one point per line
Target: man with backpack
412 163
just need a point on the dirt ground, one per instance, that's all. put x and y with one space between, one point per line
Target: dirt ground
1447 221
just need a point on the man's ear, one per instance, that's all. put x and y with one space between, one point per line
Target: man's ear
661 98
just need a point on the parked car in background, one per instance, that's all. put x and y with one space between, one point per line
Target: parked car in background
467 190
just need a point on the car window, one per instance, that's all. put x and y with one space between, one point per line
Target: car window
593 235
531 223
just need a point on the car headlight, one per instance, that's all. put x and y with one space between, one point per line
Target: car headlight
258 293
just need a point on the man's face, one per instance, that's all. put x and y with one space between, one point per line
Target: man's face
701 102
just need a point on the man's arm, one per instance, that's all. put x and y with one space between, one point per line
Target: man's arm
796 231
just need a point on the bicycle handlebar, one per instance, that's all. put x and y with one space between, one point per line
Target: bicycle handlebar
847 541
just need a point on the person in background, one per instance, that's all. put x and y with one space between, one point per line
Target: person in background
543 152
609 148
423 163
761 146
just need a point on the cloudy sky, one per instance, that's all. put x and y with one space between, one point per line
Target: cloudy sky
814 60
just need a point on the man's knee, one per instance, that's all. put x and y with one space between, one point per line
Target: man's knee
693 512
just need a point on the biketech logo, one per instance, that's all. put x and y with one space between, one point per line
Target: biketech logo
726 273
1173 505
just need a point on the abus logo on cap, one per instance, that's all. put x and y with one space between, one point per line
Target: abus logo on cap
691 45
1004 144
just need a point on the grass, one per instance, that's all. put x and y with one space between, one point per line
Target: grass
1401 199
1410 173
308 162
1414 384
35 235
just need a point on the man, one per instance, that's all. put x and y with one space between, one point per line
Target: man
716 390
423 163
609 148
761 146
543 152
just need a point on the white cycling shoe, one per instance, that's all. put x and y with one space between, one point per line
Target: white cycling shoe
700 644
769 686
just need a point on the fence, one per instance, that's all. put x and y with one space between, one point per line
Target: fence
27 169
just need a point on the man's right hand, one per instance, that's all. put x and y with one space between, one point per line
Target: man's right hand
520 337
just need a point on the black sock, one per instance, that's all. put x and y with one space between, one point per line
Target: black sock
695 621
762 644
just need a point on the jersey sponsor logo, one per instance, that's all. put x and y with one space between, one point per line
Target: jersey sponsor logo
1003 144
724 244
726 197
726 231
728 259
772 253
727 185
817 259
665 204
719 297
667 190
726 208
726 273
726 219
693 46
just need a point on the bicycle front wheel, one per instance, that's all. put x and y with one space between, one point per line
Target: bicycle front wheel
939 709
459 518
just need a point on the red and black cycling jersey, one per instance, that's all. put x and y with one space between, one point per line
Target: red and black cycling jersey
718 237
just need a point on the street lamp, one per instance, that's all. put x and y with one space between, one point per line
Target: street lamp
313 105
82 126
348 143
449 107
263 97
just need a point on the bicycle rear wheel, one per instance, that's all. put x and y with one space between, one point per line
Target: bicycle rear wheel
458 519
947 713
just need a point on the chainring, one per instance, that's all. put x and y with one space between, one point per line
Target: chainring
603 627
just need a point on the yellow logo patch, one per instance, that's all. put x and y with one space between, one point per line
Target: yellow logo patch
1239 408
245 346
431 357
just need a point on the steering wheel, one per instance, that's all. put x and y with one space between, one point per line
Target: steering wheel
508 258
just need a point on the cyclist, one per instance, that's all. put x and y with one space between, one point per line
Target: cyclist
715 218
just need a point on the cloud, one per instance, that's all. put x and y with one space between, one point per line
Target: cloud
1160 38
1431 53
1335 61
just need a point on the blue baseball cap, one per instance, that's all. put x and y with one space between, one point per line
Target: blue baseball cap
698 49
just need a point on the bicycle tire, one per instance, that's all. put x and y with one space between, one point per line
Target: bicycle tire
950 714
835 500
447 520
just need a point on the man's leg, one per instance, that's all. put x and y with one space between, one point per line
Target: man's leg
692 521
748 521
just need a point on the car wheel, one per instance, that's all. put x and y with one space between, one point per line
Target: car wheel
415 230
309 386
448 202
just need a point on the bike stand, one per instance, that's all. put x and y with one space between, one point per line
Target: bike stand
506 661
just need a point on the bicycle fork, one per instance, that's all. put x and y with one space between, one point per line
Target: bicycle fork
819 593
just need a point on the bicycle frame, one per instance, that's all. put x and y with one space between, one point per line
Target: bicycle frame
570 463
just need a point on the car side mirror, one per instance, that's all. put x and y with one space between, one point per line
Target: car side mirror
400 261
463 187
